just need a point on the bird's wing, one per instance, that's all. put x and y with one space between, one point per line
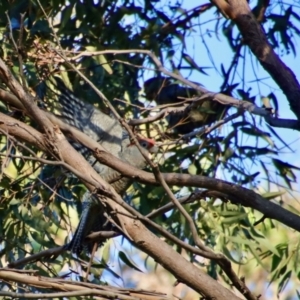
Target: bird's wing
88 119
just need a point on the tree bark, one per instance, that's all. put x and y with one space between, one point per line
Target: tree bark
254 36
183 270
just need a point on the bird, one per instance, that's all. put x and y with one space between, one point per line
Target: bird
108 132
164 91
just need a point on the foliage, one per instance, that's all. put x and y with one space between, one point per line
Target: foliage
39 204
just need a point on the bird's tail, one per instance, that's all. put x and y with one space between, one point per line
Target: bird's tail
92 220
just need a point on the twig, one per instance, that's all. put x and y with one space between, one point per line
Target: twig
241 195
74 288
52 252
140 235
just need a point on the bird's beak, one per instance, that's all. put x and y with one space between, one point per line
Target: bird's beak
153 149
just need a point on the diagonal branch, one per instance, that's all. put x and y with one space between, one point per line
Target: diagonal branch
254 36
70 288
183 270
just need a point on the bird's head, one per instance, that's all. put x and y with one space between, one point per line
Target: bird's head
147 144
133 155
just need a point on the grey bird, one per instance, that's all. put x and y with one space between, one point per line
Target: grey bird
108 132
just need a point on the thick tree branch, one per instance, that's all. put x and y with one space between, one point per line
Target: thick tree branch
26 100
232 191
206 252
283 123
255 37
235 193
130 171
136 231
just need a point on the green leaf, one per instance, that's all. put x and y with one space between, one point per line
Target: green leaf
272 195
126 260
15 202
284 281
65 17
285 170
230 256
39 237
234 219
266 244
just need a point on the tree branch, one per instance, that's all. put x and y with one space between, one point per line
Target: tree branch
134 229
255 37
70 288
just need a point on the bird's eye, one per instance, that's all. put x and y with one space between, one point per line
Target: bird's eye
144 144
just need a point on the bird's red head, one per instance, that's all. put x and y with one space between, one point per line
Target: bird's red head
147 144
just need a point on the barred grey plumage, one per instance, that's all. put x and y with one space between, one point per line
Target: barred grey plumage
108 132
92 219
